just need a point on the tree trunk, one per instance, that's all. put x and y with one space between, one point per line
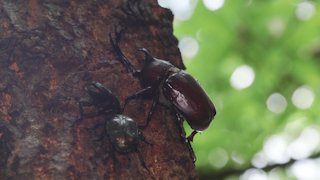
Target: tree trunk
49 51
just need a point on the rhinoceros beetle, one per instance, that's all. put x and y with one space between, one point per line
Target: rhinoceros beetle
172 87
122 131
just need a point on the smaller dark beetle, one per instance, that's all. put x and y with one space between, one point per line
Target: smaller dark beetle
122 131
172 87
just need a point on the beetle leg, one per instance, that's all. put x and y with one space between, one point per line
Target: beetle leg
83 102
103 123
115 161
144 139
180 122
113 155
87 115
183 139
98 125
115 106
147 92
143 163
190 138
115 45
193 155
152 110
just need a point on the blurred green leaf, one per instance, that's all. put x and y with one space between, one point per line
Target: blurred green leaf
284 53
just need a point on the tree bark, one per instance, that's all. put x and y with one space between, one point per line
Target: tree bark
49 51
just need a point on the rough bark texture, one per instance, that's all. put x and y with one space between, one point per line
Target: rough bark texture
49 51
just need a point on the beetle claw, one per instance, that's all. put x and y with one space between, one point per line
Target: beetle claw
190 138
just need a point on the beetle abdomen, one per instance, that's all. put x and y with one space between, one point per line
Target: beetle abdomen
190 99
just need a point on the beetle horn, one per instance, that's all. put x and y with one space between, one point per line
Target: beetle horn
149 57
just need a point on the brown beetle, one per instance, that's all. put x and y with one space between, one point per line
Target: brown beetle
172 87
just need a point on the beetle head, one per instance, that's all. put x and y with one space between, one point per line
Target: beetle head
153 70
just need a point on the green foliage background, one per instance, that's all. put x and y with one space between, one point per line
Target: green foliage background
238 34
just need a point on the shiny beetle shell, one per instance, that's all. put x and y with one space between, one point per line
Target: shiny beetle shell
189 99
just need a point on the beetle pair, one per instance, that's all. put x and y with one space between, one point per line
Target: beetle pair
172 87
122 131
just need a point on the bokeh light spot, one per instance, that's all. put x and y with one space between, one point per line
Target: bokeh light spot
303 97
199 35
275 148
213 5
236 157
306 169
259 160
276 103
298 150
311 137
297 125
276 26
305 144
163 3
188 47
182 9
242 77
305 10
218 157
254 174
276 174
